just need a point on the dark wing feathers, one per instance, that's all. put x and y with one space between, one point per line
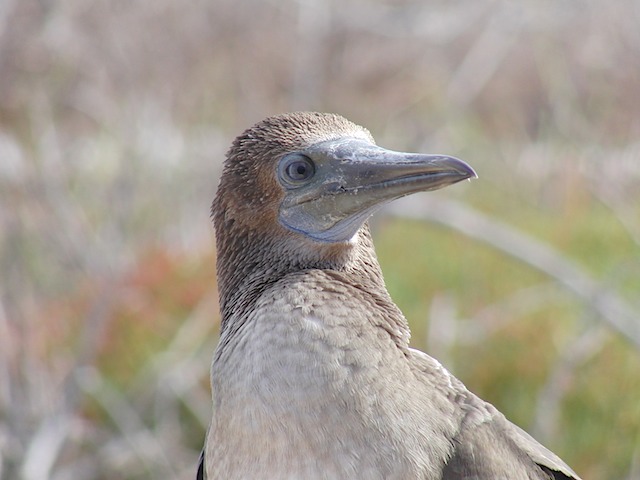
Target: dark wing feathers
201 475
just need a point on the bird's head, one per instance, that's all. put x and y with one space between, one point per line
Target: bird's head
295 193
319 177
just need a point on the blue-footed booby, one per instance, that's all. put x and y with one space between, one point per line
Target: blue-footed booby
313 376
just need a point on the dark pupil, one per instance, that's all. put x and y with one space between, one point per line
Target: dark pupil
299 171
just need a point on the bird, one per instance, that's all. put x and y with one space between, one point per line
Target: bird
313 376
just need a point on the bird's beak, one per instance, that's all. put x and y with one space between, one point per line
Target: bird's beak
353 178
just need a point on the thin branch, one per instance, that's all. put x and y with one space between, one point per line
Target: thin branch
612 308
45 447
560 379
141 440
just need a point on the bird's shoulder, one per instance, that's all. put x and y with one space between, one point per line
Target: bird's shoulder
429 370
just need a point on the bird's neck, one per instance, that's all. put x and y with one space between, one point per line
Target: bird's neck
248 264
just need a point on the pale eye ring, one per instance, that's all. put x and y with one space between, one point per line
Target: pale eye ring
296 169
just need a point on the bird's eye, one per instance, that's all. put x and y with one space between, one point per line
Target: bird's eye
296 169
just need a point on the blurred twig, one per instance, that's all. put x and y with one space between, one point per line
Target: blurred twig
140 439
484 57
561 378
609 306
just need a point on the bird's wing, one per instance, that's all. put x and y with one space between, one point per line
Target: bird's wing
487 446
495 448
539 454
202 474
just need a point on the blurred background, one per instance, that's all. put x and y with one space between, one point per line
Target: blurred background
114 120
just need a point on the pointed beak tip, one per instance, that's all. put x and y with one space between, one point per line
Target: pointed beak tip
463 168
470 174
